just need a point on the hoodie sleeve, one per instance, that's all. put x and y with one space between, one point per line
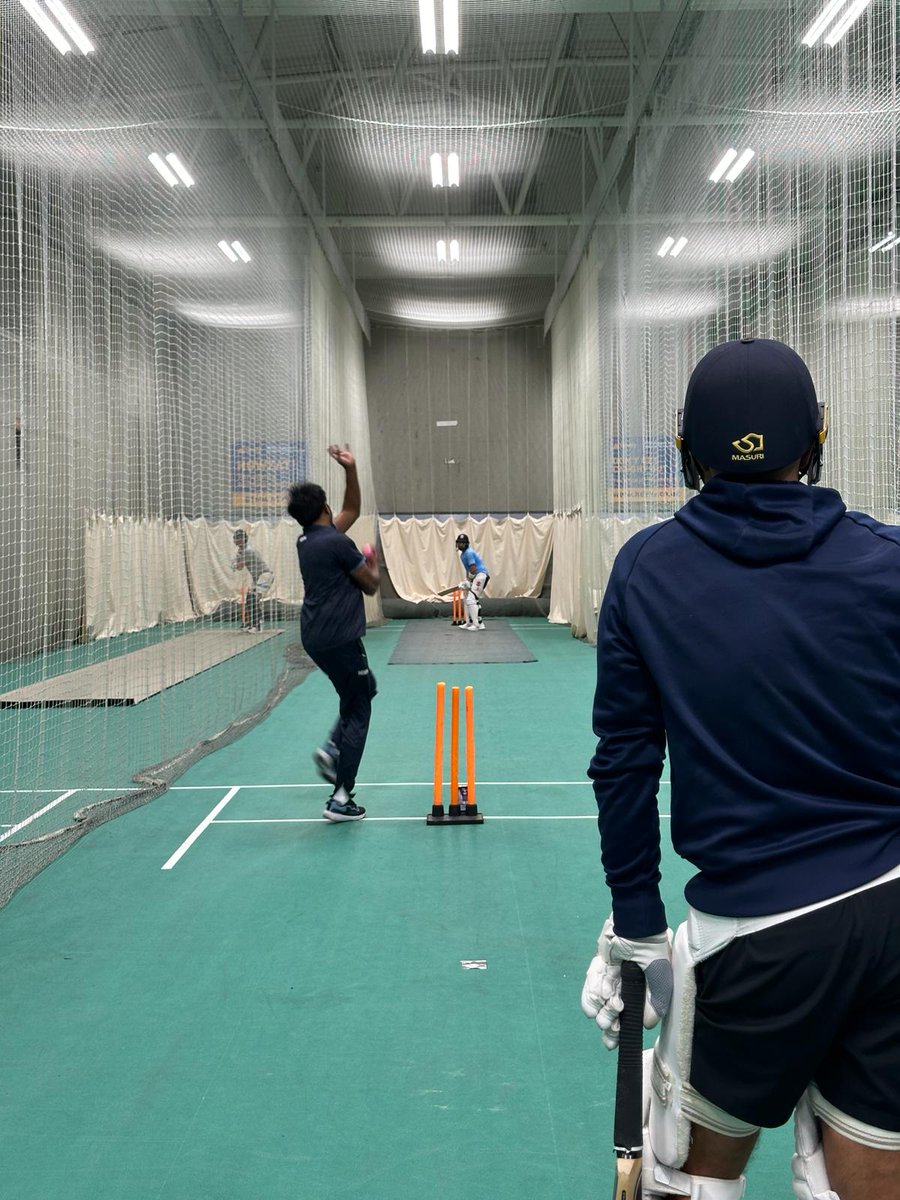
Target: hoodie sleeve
627 765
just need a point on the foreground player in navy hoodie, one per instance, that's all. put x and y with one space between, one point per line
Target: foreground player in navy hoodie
758 635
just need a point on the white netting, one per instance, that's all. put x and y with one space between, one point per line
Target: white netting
155 397
783 251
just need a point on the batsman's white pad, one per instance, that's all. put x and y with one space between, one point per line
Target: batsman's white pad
669 1127
666 1181
674 1104
810 1178
660 1182
471 608
851 1127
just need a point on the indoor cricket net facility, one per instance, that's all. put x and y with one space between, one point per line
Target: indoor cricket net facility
482 245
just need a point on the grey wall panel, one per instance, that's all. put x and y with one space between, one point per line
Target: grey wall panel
494 384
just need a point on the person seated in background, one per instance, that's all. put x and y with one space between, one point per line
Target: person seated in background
261 576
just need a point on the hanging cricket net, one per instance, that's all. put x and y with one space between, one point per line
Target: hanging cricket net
165 340
797 246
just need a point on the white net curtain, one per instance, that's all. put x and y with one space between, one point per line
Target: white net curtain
423 561
158 392
785 250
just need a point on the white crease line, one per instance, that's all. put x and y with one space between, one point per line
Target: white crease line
318 820
207 820
34 816
429 783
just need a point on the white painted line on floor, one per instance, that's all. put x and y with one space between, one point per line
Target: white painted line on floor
207 820
318 820
362 787
34 816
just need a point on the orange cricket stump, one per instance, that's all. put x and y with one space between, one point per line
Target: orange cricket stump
458 617
437 803
243 605
462 808
454 752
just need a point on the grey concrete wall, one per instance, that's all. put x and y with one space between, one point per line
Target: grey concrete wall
495 385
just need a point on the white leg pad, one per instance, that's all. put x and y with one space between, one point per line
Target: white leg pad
666 1181
669 1126
810 1177
471 608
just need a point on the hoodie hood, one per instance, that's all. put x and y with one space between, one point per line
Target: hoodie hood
762 522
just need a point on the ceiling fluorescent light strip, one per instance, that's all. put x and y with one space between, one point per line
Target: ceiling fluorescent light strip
892 245
180 170
883 244
822 21
227 251
437 171
850 17
454 250
41 19
739 166
164 169
71 26
451 26
428 26
722 166
240 251
442 251
678 247
453 170
666 247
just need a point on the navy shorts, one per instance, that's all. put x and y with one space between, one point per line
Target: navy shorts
814 999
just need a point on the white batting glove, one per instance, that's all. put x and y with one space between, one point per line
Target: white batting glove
601 996
464 586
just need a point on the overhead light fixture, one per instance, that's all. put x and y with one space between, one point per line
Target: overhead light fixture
451 26
445 255
71 26
843 13
672 247
233 251
739 166
428 26
883 244
180 170
43 21
172 169
164 169
437 169
723 164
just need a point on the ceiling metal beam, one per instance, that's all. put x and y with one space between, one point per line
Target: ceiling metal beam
621 146
530 265
551 87
236 37
671 121
438 222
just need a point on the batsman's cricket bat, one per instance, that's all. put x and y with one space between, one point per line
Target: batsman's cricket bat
628 1136
449 590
